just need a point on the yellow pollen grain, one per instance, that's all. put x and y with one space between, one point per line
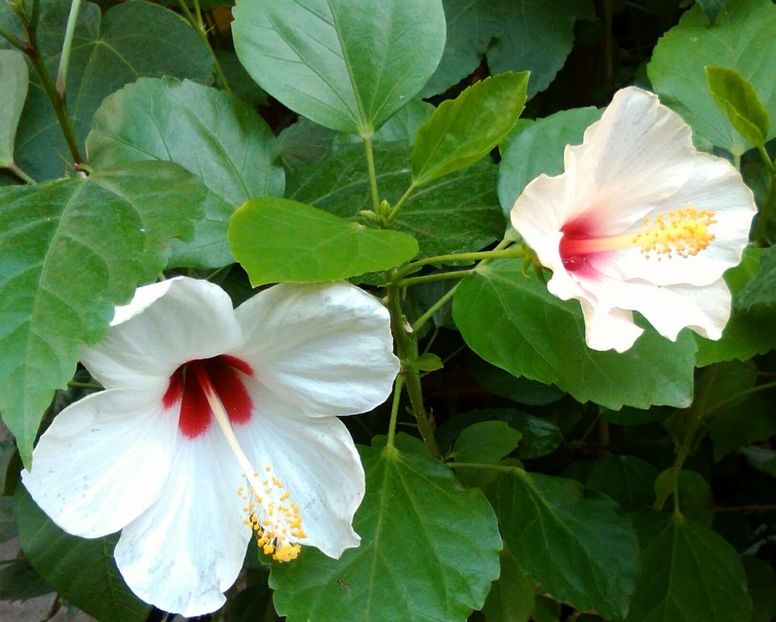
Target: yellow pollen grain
275 518
681 232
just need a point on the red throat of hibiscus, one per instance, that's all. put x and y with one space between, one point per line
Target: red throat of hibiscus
214 390
681 232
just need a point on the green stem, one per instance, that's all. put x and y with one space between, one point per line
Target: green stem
695 415
196 21
370 167
67 44
397 387
430 278
19 173
434 308
13 40
404 198
496 253
56 98
407 349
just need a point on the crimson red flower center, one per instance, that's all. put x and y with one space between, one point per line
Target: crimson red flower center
220 375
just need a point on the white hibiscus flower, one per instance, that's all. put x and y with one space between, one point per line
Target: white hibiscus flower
639 221
217 424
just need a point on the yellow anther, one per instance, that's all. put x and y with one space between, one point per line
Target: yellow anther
683 232
275 519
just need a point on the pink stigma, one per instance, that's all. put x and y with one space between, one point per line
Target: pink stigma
574 261
220 375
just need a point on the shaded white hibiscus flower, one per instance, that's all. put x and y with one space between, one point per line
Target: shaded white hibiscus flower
639 221
215 424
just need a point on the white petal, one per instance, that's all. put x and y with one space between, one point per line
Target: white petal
538 216
187 549
326 349
635 155
609 329
715 186
103 461
318 464
164 326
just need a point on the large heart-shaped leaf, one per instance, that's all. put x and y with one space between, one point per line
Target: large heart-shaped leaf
82 571
69 250
741 39
210 133
471 24
132 39
429 551
13 85
688 573
512 321
345 65
536 36
575 542
282 240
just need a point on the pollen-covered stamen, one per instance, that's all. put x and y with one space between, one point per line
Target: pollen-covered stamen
681 232
273 515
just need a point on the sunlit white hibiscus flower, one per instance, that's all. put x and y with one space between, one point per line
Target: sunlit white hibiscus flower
639 220
216 424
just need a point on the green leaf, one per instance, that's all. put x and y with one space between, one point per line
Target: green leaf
456 214
761 579
688 573
536 147
487 442
512 321
14 80
711 8
737 98
210 133
428 361
741 40
112 231
19 581
471 24
537 36
747 422
761 288
132 39
338 64
82 571
512 597
517 389
539 436
752 327
696 501
465 129
429 551
282 240
630 481
762 459
575 542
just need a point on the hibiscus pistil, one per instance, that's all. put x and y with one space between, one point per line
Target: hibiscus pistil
682 232
273 516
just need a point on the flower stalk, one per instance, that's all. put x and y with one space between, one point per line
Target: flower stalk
407 351
67 45
56 97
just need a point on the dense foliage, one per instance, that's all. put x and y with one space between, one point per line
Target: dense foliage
517 474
